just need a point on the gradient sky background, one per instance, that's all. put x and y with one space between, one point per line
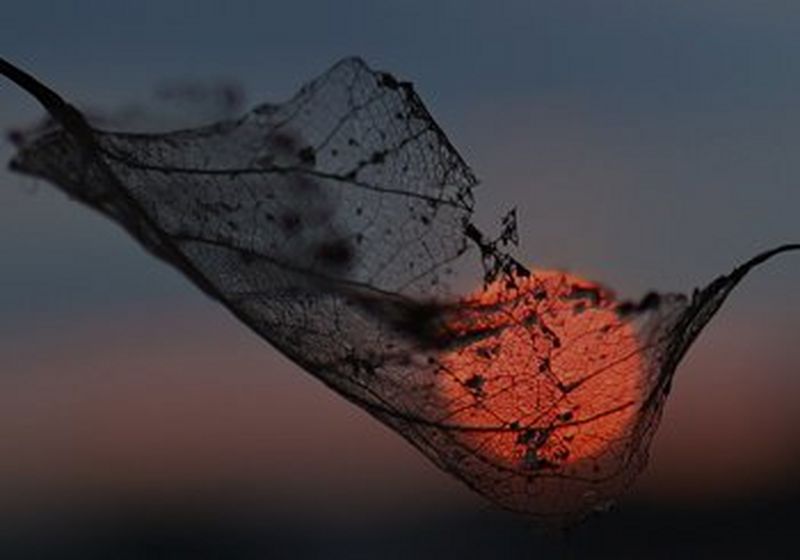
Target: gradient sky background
647 146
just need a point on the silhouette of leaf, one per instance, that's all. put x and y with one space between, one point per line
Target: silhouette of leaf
332 224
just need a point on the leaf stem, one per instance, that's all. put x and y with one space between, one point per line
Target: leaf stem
62 112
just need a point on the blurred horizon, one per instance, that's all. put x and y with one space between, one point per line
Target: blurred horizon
643 146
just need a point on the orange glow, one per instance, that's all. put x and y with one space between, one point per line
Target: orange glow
549 375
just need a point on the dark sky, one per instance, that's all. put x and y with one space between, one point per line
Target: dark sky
646 145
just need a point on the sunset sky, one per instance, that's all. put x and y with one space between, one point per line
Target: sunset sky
644 146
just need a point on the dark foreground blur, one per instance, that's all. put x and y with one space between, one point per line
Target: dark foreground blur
764 528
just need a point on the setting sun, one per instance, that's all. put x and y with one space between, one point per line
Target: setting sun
549 375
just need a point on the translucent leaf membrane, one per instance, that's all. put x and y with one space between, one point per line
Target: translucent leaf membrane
329 225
